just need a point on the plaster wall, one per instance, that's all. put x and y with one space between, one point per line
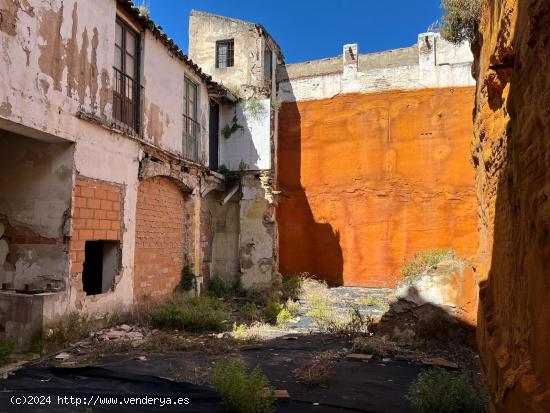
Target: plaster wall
368 180
438 64
35 196
56 69
252 143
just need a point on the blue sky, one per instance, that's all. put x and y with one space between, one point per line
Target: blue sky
311 29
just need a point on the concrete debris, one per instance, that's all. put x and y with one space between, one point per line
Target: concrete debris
122 332
359 357
62 356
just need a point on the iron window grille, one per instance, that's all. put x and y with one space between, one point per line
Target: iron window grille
191 126
127 90
225 52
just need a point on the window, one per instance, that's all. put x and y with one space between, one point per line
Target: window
268 63
101 264
127 90
224 53
191 126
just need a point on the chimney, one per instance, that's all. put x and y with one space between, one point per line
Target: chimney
350 58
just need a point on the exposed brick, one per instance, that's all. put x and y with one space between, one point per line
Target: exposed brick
86 192
93 203
101 194
106 205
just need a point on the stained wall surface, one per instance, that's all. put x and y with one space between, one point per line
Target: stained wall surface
368 180
511 152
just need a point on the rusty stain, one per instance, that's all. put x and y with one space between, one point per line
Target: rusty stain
155 127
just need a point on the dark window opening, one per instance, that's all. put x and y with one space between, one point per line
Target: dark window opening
268 63
191 126
225 53
127 90
101 264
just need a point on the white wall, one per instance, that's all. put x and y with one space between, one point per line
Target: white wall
251 144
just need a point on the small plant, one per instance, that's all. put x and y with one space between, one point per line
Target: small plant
188 279
460 20
363 348
292 286
241 392
425 260
272 310
67 329
373 301
6 348
232 128
255 109
217 287
350 327
276 105
317 370
293 307
251 313
199 314
438 391
224 170
284 316
143 9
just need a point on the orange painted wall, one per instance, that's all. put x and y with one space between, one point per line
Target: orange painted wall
370 179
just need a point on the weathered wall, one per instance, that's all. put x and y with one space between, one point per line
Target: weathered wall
57 62
159 255
35 198
205 29
368 180
511 152
257 232
432 63
96 216
252 143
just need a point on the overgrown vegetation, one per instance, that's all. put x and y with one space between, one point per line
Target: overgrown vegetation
67 329
317 370
233 177
255 109
460 20
292 286
231 128
351 326
198 315
276 105
425 260
438 391
241 392
188 279
6 349
143 9
219 288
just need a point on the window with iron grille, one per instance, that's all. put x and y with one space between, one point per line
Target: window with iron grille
127 90
191 126
224 53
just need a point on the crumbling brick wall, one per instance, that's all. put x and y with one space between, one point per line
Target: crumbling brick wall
96 216
160 238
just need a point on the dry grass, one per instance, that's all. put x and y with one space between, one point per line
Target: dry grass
317 370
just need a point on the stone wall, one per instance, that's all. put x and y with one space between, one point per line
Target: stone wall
368 180
511 153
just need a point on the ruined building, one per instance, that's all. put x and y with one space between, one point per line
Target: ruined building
125 161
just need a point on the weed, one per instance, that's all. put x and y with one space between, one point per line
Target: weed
199 314
255 109
354 325
317 370
67 329
217 287
241 392
251 313
230 129
425 260
276 105
293 307
460 20
363 348
372 301
252 333
438 391
6 348
272 310
284 316
143 9
188 279
292 286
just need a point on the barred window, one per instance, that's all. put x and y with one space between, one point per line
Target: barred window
224 53
191 126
